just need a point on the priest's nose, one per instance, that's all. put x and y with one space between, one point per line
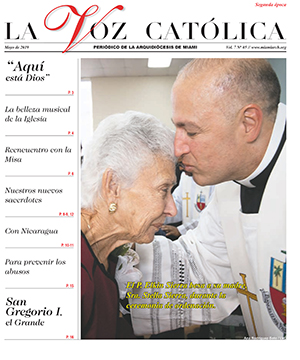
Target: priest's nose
181 146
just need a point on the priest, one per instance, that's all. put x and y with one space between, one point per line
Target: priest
230 132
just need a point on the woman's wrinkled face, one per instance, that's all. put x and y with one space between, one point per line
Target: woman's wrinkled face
144 207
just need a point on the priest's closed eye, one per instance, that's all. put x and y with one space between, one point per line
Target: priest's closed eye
191 134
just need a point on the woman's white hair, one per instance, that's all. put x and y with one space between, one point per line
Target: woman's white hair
124 143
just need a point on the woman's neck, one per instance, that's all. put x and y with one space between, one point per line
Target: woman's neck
101 234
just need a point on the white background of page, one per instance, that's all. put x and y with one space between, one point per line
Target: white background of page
65 75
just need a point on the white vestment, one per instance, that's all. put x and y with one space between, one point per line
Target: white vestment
190 199
233 258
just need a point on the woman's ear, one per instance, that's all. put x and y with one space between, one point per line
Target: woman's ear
252 122
110 186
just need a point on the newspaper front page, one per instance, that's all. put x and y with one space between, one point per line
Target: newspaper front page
65 67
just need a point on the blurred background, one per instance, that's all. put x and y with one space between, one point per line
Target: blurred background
111 86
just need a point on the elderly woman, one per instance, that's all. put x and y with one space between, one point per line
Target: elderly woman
127 175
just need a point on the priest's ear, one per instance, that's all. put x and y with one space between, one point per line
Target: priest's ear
110 186
252 118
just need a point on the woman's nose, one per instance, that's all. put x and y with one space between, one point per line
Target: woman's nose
170 209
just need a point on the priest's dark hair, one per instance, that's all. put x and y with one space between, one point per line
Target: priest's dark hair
242 81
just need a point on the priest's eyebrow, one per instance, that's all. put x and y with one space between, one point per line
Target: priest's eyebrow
189 124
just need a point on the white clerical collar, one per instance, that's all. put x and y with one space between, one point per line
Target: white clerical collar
277 133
